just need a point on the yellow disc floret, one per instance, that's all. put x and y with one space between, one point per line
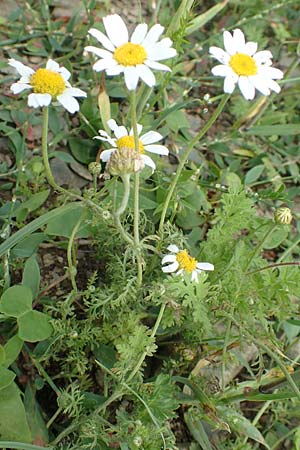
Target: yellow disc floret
128 141
130 54
243 64
46 81
185 261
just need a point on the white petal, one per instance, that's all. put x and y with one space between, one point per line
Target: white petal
148 162
36 100
52 65
158 53
16 88
239 40
263 56
99 51
151 137
219 54
68 102
106 154
116 70
260 84
21 68
102 39
131 77
103 64
270 72
194 276
64 73
274 86
146 75
75 92
173 248
119 131
205 266
250 48
171 267
139 33
156 65
153 34
158 149
247 89
229 84
139 129
222 71
229 43
116 29
168 258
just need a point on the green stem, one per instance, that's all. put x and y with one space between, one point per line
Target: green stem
136 210
22 446
259 247
71 262
49 175
186 154
144 354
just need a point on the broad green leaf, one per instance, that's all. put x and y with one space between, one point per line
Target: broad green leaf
6 377
16 301
28 246
202 19
35 225
12 349
276 237
35 419
31 275
271 130
34 326
2 355
84 150
13 423
63 156
63 225
196 429
34 202
254 173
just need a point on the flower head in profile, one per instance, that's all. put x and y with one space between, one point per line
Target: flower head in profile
147 142
181 262
47 84
241 63
135 57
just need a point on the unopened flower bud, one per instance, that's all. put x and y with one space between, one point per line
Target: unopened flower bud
283 216
95 168
124 161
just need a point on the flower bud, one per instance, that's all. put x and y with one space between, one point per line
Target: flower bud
283 216
95 168
124 161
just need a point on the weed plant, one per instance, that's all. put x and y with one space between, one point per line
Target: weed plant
152 303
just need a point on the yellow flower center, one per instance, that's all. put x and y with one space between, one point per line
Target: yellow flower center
130 54
46 81
186 262
243 64
128 141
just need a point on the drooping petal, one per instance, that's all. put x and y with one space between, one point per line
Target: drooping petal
260 84
68 102
139 33
274 86
21 68
106 154
229 84
116 29
168 258
158 149
75 92
171 267
173 248
247 89
16 88
148 162
37 100
219 54
205 266
131 77
146 75
194 276
150 137
97 34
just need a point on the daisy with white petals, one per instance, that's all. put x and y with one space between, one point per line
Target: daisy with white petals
47 84
241 63
181 262
147 142
135 57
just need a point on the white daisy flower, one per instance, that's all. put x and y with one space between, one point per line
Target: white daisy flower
47 84
147 142
242 64
135 57
181 262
